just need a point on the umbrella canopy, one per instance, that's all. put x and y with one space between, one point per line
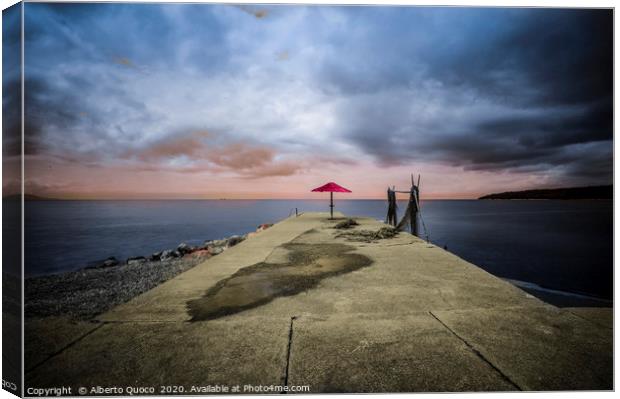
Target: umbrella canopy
331 188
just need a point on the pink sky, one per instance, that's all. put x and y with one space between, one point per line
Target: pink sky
367 180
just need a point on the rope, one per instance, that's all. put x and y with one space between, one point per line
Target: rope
428 238
406 217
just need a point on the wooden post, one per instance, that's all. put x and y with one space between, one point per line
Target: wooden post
331 205
391 214
414 211
415 206
388 217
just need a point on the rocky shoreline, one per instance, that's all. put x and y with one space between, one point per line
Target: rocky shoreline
88 292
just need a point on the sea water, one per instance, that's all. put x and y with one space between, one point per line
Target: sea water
560 245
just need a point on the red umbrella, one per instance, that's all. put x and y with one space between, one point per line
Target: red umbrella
332 188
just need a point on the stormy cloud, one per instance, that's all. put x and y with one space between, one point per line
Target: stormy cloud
516 90
278 88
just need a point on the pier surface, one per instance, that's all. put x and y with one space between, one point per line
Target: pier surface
305 304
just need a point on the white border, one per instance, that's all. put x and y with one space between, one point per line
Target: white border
474 3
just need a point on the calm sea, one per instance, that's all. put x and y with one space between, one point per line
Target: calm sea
563 245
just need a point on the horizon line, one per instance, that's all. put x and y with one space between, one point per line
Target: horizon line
38 198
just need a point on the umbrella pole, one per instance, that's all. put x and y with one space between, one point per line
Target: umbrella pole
331 205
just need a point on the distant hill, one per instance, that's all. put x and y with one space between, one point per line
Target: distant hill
590 192
27 197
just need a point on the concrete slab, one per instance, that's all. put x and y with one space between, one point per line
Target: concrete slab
47 336
400 354
539 348
603 317
228 351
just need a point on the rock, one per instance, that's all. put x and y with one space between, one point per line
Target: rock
201 253
218 243
111 261
98 264
176 254
216 250
155 257
264 226
234 240
167 254
136 260
183 249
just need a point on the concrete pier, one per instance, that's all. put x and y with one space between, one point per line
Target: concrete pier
414 318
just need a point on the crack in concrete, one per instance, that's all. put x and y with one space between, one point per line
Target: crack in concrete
288 352
64 348
477 353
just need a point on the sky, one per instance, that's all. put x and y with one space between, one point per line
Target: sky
225 101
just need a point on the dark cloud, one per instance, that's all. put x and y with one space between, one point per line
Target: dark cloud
550 129
547 57
567 54
48 110
524 91
11 114
63 121
11 38
11 81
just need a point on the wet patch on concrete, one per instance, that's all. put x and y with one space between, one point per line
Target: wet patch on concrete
260 283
